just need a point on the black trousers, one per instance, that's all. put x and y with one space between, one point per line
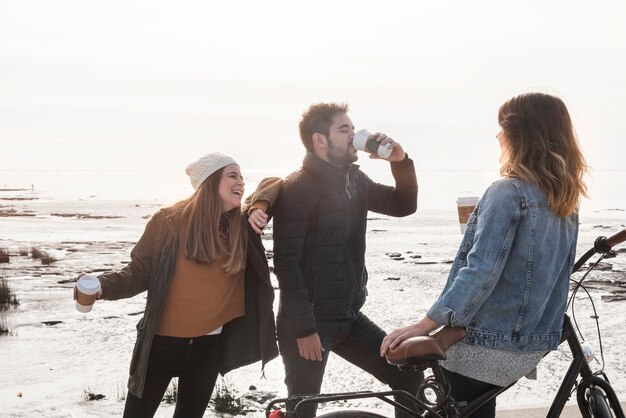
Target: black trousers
193 360
358 341
467 389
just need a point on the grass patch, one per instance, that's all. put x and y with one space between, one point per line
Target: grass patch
5 257
44 256
7 300
36 253
7 296
23 252
121 393
91 396
171 394
47 259
225 402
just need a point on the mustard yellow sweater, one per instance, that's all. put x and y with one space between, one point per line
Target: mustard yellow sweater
200 298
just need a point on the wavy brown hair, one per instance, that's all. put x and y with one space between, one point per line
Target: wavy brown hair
317 119
540 147
201 216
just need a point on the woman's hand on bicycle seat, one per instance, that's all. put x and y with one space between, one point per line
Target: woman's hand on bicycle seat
420 328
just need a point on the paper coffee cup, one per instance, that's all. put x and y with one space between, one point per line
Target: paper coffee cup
465 206
87 288
362 142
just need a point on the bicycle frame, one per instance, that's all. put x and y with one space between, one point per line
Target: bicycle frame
448 408
580 367
301 400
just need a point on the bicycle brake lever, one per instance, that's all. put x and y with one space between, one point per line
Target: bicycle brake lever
610 254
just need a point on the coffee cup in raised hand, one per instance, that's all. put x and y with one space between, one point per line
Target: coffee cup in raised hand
363 141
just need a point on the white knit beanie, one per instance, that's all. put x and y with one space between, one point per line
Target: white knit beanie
199 171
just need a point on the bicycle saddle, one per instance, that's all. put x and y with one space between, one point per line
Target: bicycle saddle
416 350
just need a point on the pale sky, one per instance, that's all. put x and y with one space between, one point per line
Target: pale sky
149 84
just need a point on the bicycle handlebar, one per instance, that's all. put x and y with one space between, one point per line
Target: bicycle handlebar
601 245
616 238
604 244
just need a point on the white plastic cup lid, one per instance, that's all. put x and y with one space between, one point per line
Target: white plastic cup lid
88 285
360 138
467 201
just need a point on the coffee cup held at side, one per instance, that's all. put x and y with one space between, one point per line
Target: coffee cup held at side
465 206
363 142
87 289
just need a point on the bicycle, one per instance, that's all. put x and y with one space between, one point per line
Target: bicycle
594 395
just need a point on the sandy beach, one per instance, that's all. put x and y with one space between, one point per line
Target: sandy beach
53 357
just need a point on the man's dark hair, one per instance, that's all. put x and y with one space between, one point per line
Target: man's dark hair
317 119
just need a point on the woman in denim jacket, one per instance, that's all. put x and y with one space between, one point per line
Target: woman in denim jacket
509 282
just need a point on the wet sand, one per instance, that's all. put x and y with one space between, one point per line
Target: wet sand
46 357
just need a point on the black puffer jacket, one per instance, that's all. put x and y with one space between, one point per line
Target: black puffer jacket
320 221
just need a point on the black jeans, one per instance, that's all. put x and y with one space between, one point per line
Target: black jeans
467 389
358 341
193 360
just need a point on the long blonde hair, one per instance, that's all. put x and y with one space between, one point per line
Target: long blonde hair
202 217
540 147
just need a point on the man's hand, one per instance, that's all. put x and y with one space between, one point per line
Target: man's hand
310 347
397 152
81 274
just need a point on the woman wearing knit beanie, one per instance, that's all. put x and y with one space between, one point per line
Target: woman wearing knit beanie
209 296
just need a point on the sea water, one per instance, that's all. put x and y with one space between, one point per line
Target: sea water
438 188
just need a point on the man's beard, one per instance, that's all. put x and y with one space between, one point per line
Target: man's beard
340 158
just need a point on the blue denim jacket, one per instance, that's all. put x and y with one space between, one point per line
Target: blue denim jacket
509 281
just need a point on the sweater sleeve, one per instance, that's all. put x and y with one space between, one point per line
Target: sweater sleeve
400 200
265 195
